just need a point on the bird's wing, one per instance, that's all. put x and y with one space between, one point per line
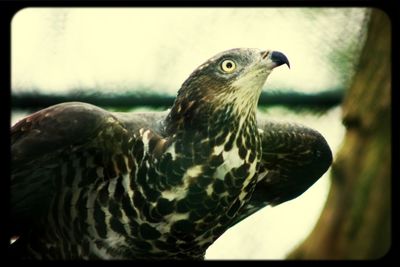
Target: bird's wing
294 157
54 142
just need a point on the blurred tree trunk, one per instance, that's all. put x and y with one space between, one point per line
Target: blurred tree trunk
355 223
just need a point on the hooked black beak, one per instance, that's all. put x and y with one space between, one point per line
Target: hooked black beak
279 59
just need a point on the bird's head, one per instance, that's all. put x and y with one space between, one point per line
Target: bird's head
233 78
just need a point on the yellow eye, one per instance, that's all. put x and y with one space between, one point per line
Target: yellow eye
228 65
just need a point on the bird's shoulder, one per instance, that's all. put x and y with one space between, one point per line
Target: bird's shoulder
56 127
75 124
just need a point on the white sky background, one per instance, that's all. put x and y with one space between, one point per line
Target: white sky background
58 50
61 49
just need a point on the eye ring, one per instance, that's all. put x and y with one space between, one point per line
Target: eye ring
228 66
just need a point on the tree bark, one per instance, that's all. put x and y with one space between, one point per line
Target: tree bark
356 220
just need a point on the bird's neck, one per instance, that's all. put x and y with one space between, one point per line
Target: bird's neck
205 117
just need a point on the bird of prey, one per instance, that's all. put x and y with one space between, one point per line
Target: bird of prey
87 183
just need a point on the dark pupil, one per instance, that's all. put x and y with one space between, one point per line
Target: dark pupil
229 65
